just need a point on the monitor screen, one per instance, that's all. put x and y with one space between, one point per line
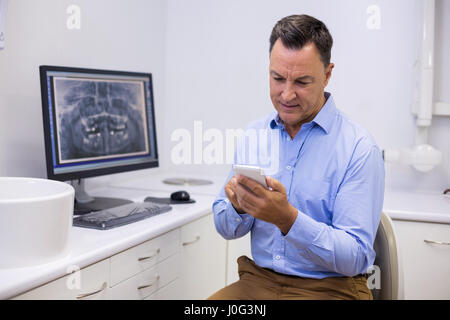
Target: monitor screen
97 122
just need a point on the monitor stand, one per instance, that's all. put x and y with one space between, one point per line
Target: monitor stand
84 203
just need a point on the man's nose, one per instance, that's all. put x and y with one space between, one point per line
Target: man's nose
288 93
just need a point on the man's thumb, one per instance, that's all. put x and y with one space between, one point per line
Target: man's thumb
275 184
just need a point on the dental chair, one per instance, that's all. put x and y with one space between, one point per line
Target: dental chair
388 262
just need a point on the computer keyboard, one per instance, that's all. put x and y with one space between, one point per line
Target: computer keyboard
121 215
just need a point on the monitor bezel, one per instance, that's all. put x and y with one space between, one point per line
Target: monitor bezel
43 70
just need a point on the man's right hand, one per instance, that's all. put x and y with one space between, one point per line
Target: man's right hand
230 188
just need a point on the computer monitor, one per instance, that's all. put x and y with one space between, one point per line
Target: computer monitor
96 122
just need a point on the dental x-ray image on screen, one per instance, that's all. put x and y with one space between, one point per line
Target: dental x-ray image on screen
99 118
97 122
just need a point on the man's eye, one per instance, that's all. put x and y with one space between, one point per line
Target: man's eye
302 83
278 79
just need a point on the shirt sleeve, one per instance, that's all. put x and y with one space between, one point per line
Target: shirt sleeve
230 224
346 246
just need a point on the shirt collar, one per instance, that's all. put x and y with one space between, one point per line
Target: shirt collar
275 122
327 114
323 119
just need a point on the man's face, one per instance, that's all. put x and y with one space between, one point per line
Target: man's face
297 82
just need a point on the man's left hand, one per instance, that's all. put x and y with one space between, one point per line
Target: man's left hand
267 205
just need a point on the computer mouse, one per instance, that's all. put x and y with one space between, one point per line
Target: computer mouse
180 196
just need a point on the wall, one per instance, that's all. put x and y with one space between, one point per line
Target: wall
209 60
217 71
114 35
440 131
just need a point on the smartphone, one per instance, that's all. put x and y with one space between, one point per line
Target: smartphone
253 172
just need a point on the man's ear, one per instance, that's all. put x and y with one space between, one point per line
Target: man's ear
328 71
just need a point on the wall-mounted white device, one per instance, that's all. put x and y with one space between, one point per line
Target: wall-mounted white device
422 156
3 5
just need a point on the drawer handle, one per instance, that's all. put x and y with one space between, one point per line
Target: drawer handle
191 242
84 295
437 242
149 285
150 256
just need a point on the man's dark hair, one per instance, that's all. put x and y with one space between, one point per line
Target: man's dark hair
295 31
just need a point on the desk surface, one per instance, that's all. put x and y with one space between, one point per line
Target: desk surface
155 182
414 206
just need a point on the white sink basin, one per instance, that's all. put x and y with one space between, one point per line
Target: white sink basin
35 220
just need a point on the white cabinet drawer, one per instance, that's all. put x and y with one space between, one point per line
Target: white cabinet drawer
236 248
169 292
203 254
141 257
148 281
85 284
425 259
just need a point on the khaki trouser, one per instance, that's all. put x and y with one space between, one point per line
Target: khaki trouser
256 283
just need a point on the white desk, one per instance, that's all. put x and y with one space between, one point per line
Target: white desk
422 225
431 207
87 246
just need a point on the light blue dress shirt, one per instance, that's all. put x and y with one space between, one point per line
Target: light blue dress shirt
333 173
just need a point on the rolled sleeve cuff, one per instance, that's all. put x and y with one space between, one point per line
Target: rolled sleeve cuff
233 224
304 231
237 218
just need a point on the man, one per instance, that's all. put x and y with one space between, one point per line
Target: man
312 231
